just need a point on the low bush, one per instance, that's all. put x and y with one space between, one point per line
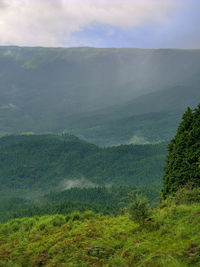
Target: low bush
139 209
76 216
187 194
58 220
88 214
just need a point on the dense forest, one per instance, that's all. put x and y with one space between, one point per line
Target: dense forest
183 160
99 146
101 200
31 165
108 225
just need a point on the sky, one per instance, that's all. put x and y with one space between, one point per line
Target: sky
101 23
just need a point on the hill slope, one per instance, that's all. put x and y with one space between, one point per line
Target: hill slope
30 164
41 88
153 117
170 239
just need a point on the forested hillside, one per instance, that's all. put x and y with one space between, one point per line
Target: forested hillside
99 146
106 225
150 118
100 200
31 164
48 90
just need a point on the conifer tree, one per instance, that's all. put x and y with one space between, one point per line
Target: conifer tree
182 163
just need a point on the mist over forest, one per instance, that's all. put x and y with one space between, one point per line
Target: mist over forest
99 133
85 169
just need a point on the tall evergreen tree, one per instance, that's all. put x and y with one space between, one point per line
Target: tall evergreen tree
183 160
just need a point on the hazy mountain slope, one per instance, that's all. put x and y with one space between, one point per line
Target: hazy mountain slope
149 118
40 86
30 164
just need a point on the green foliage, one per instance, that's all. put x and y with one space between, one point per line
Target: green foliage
58 220
62 207
88 214
104 240
112 195
67 217
98 200
76 216
139 209
32 165
182 165
187 194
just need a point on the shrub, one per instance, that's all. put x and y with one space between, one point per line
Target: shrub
187 195
42 226
88 214
67 217
15 227
58 220
139 209
76 216
28 224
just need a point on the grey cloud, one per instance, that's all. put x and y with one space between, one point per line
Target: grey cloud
3 5
53 22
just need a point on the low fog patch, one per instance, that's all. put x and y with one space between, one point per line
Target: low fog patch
81 183
138 140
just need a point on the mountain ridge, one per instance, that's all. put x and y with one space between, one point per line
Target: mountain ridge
40 88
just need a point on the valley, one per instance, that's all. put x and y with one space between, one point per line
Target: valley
121 96
90 171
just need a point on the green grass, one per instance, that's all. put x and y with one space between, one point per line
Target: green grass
172 238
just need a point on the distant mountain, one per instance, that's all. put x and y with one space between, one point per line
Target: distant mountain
42 89
31 165
150 118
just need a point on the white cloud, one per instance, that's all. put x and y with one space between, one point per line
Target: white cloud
52 22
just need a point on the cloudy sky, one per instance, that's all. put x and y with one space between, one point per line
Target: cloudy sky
101 23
